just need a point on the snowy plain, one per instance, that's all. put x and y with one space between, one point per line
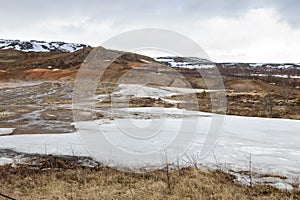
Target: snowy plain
272 143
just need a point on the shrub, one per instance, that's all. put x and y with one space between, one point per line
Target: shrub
204 93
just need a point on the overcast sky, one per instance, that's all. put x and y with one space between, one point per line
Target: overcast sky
228 30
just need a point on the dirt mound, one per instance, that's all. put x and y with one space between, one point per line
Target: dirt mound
47 74
6 76
13 60
19 65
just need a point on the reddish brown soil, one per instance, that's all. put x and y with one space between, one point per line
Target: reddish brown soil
46 74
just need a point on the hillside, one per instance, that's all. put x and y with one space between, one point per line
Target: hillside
16 65
41 115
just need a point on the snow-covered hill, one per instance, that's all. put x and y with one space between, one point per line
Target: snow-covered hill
194 63
40 46
279 70
184 62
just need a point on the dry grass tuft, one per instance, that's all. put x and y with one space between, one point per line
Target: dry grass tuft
55 178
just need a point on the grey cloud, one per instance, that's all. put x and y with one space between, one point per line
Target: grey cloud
289 10
19 15
172 11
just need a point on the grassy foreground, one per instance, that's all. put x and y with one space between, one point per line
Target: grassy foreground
60 180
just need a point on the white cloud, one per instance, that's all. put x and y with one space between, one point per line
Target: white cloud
228 30
257 36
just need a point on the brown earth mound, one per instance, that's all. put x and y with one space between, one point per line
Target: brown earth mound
47 74
14 60
18 65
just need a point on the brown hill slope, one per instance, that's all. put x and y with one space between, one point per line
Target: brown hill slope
19 65
14 60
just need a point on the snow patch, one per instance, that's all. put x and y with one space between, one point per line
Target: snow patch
268 140
40 46
5 131
5 161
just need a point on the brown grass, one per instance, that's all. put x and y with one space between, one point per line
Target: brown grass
62 180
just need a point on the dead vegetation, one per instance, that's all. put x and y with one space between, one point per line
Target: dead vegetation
53 177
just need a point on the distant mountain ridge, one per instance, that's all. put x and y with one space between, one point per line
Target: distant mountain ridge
40 46
279 70
194 63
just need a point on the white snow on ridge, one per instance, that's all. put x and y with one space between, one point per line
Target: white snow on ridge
285 76
40 46
200 66
283 66
276 75
197 63
256 64
189 63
